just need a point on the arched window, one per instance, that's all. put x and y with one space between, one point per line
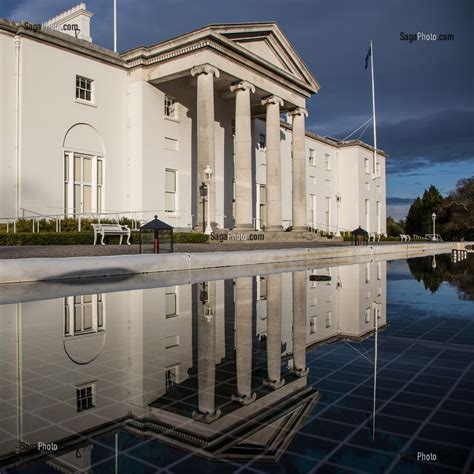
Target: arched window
84 170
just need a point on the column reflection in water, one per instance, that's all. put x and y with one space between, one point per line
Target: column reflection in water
299 323
206 326
274 303
243 339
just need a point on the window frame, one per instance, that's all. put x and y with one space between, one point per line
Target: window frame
170 107
91 90
90 398
312 157
173 193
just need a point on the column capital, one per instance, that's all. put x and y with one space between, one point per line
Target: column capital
204 69
299 111
242 86
272 99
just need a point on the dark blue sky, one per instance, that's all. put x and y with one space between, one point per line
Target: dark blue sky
425 89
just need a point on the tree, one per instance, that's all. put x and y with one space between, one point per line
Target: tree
419 215
457 212
394 229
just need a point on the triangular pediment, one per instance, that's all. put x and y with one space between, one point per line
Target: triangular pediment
268 42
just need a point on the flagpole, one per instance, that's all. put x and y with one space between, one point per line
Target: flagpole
374 162
375 375
115 28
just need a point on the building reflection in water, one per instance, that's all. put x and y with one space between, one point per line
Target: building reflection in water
218 368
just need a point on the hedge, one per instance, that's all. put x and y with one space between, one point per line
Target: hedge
85 238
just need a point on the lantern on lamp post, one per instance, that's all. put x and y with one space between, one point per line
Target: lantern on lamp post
338 203
433 217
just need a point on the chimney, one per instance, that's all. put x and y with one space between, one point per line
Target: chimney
74 22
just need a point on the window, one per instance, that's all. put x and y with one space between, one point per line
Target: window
367 215
171 302
327 161
170 190
170 107
378 169
329 319
366 165
312 157
233 127
262 142
313 179
85 397
171 376
327 183
379 270
83 183
171 144
100 183
367 316
171 341
84 88
314 301
312 325
367 186
379 190
83 314
263 288
367 272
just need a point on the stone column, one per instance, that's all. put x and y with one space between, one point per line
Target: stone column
243 156
299 280
206 326
243 341
274 302
299 170
272 105
205 136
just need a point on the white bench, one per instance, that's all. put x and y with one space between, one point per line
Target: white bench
374 236
111 229
405 238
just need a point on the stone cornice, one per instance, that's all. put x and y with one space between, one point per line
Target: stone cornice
64 41
336 143
206 38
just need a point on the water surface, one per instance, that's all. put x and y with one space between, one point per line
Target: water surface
347 368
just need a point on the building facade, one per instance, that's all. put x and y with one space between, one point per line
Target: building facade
86 131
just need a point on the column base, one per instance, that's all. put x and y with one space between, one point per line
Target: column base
300 228
274 384
244 399
274 228
208 417
300 372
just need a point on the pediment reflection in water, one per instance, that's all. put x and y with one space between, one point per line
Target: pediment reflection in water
217 368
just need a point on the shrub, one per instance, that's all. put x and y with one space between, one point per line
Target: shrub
190 238
47 238
85 238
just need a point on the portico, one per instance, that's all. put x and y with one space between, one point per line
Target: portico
254 71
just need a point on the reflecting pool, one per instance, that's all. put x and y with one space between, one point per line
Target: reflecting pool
362 367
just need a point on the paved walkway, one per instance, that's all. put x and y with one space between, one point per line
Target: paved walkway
32 251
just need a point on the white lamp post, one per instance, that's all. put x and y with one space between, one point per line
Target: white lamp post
338 202
433 217
208 173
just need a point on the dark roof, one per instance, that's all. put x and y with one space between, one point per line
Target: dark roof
156 224
359 231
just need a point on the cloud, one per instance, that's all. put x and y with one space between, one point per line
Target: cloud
446 136
399 200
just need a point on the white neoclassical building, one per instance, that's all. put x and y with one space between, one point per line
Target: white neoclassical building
84 130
